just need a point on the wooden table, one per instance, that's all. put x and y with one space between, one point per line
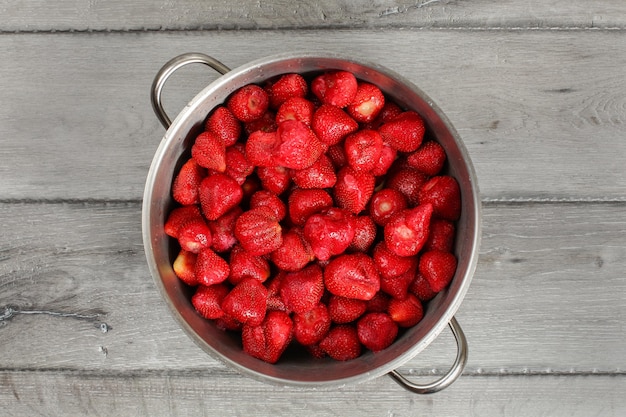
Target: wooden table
536 89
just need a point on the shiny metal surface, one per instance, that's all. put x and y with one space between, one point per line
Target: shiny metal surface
295 369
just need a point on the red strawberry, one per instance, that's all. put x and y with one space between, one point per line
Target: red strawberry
218 194
438 268
245 265
407 231
329 232
260 148
228 323
337 155
353 189
441 235
376 331
267 123
268 340
363 149
429 158
388 112
224 124
299 147
385 161
274 301
303 203
385 203
294 253
379 303
364 234
331 124
248 103
319 175
178 217
207 300
341 343
352 276
302 290
258 231
296 108
274 179
209 151
311 326
263 198
406 312
187 182
389 264
335 87
223 230
251 185
404 132
184 267
408 181
345 310
237 165
398 286
444 194
421 288
211 268
287 86
367 103
246 302
195 235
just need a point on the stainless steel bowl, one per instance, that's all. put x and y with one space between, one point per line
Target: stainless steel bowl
296 369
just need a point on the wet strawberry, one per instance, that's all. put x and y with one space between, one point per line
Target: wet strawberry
286 87
184 267
225 125
352 276
398 286
260 148
298 146
219 193
211 268
329 232
404 132
187 182
208 300
267 123
296 108
274 179
294 253
337 155
406 312
245 265
421 288
246 302
304 203
311 326
389 264
385 161
379 303
237 165
407 231
274 300
194 235
337 88
302 290
331 124
258 231
263 198
353 189
388 112
385 203
248 103
364 234
319 175
437 268
441 236
345 310
408 181
223 230
341 343
209 151
376 331
367 103
363 149
444 194
178 217
429 158
268 340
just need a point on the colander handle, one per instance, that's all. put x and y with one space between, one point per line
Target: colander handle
168 69
450 376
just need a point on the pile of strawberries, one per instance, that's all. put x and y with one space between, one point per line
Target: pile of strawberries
314 211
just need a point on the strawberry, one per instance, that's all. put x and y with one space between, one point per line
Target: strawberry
364 234
267 123
385 161
319 175
352 276
302 290
274 179
437 268
421 288
178 217
444 194
194 235
245 265
298 146
207 300
311 326
406 312
263 198
389 264
363 149
341 343
331 124
224 124
258 231
248 103
408 181
268 340
398 286
429 158
376 331
211 268
329 232
296 108
379 303
345 310
404 132
184 267
294 253
237 165
337 88
388 112
260 148
407 231
226 322
353 189
223 230
246 302
251 185
441 236
274 301
209 151
187 182
367 103
385 203
337 155
304 203
218 194
286 87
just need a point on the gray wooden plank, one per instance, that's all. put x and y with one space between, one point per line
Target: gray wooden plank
199 394
547 296
73 15
540 111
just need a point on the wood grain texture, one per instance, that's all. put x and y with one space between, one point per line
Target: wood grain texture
547 296
75 15
540 111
